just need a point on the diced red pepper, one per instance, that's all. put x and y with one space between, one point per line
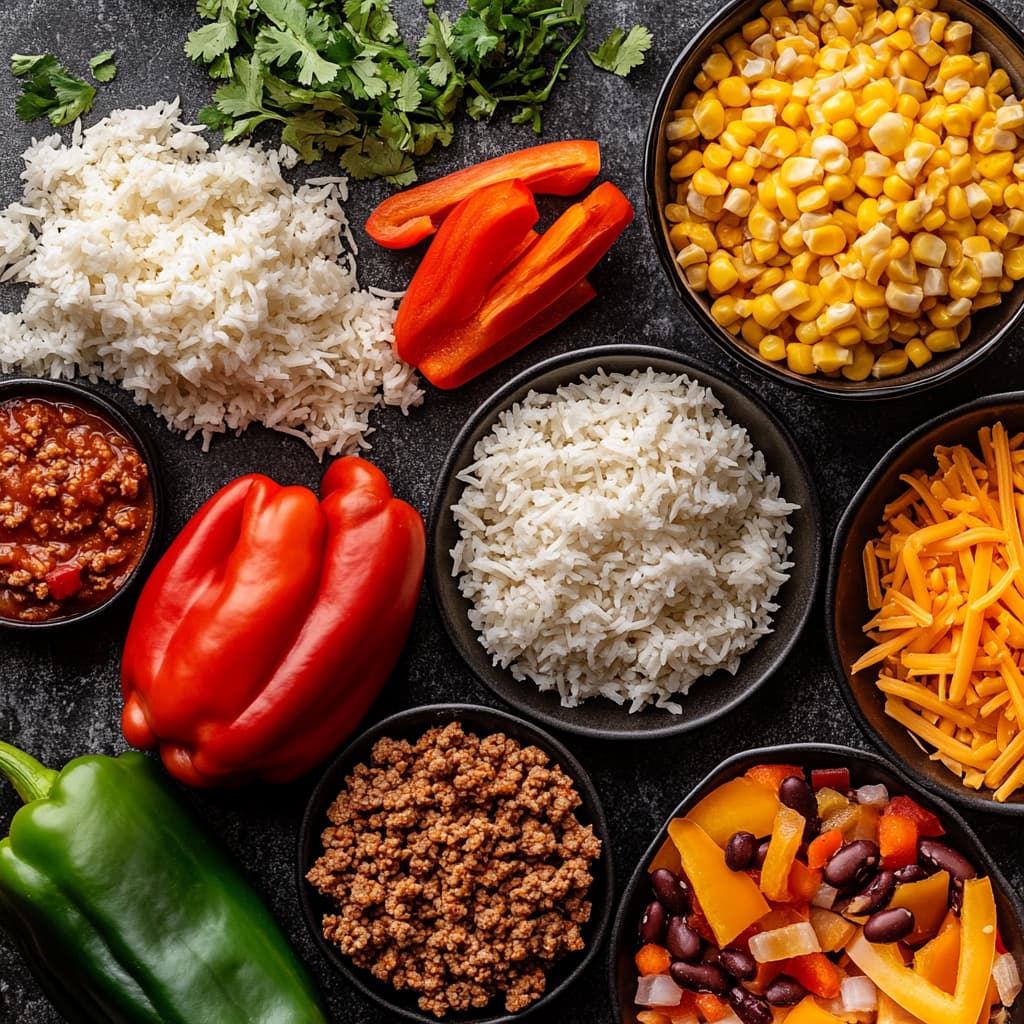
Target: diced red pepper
772 775
822 847
897 840
815 972
555 168
64 581
536 292
927 823
830 778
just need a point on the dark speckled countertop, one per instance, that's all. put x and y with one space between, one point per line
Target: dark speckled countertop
60 698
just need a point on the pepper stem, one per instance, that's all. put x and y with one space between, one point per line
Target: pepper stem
32 780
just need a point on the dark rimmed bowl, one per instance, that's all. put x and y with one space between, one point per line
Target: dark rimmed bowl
989 327
92 401
411 725
710 697
865 769
846 601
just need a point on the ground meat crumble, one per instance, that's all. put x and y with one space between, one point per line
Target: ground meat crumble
458 867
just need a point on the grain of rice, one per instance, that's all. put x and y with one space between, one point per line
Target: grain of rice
202 282
620 537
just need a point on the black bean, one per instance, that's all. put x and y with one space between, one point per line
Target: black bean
795 793
762 852
784 991
889 925
682 941
700 977
910 873
852 865
739 963
652 924
956 897
671 891
740 851
749 1008
945 858
875 895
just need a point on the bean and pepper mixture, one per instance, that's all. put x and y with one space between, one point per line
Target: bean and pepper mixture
782 896
76 509
459 868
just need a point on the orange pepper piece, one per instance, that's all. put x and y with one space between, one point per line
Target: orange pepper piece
815 972
897 840
822 847
787 835
803 882
710 1007
771 775
653 959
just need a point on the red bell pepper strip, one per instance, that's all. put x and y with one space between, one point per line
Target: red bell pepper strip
904 807
555 168
271 623
64 581
481 237
533 290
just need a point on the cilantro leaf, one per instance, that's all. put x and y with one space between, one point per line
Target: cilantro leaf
433 48
621 52
210 41
102 66
49 90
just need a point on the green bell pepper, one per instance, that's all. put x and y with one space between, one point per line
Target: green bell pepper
127 911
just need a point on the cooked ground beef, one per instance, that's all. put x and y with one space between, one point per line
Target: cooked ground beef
458 867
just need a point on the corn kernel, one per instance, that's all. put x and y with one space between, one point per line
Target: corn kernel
733 91
724 310
772 348
860 368
717 67
890 364
928 249
709 116
890 133
799 359
942 341
825 241
965 280
709 184
765 310
918 352
780 142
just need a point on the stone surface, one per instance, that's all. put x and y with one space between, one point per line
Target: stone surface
59 696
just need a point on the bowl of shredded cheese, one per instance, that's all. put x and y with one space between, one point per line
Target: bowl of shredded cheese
925 603
835 190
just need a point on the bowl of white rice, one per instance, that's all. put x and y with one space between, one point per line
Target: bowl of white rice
624 543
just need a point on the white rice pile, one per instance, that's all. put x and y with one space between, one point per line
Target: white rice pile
620 537
202 282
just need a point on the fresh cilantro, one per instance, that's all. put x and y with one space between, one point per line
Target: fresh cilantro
622 51
337 76
49 90
102 66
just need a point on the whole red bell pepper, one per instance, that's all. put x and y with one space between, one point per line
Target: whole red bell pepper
270 625
555 168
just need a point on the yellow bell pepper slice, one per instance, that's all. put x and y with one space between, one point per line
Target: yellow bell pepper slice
739 805
730 899
809 1011
927 900
937 960
892 1013
884 966
787 835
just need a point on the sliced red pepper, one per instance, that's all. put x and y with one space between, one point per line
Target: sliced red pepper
555 168
270 625
483 235
815 972
519 303
64 581
927 823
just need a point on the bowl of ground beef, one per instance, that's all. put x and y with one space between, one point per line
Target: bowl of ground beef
79 503
454 865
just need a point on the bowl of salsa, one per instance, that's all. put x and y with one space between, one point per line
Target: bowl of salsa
79 503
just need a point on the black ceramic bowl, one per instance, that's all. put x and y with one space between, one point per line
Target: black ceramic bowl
91 401
865 769
846 602
992 32
710 697
411 725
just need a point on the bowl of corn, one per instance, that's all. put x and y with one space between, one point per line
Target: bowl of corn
836 190
925 604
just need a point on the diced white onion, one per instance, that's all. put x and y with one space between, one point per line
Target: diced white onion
657 990
858 993
781 943
1007 978
872 796
825 896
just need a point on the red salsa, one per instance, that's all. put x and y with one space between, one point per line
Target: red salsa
76 509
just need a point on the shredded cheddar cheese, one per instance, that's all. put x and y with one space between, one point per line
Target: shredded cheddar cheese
945 585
